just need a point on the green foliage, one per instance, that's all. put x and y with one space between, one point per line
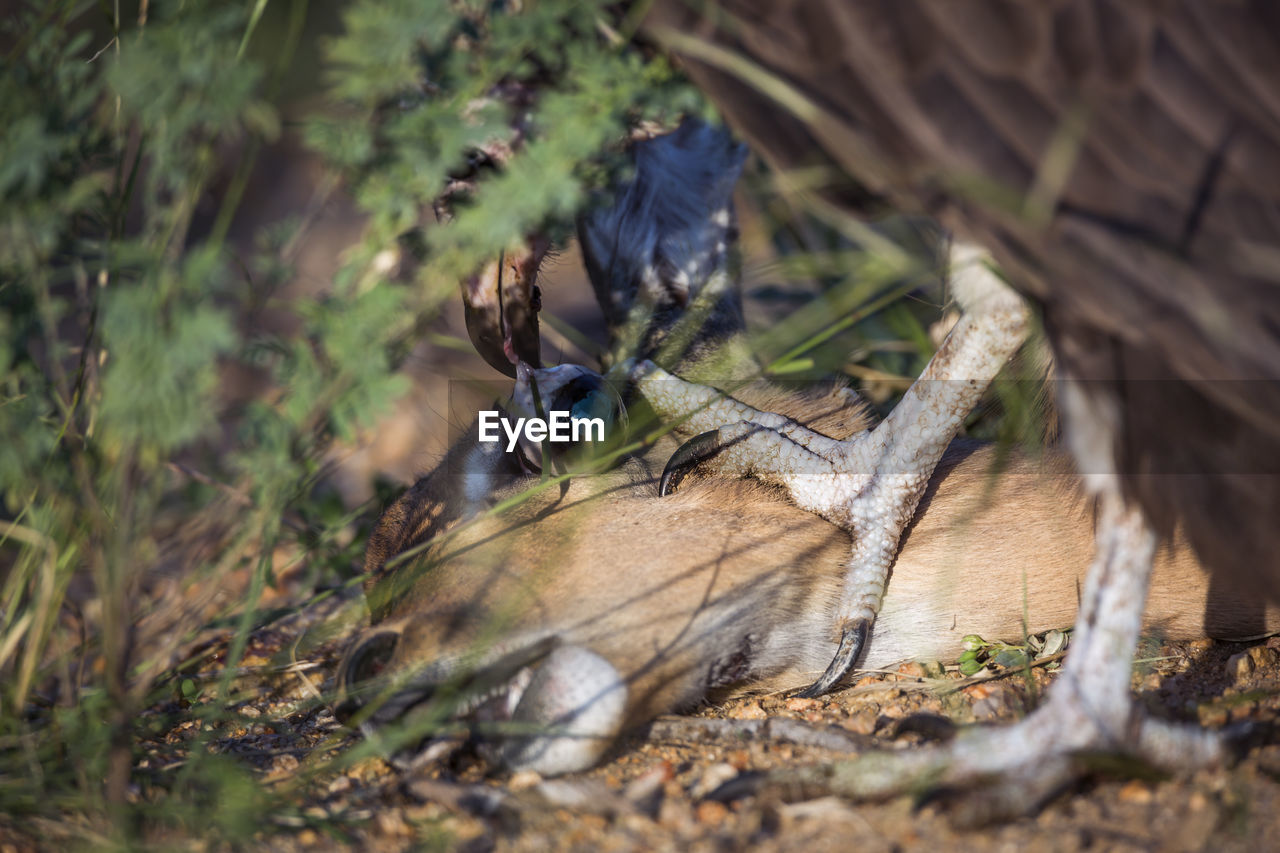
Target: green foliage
178 81
163 338
980 654
439 82
126 145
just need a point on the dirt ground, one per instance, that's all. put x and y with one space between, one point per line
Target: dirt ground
693 782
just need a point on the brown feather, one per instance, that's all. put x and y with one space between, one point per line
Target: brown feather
1157 266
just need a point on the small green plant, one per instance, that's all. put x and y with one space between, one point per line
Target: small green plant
979 654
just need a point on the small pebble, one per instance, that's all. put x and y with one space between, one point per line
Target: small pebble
796 703
1263 657
912 671
523 780
1197 647
711 813
863 723
748 711
989 700
712 778
1240 666
391 822
1135 792
649 784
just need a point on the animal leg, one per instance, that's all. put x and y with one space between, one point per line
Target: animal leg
545 706
571 711
1089 709
871 483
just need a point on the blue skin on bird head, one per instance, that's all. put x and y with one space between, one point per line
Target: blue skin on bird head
587 397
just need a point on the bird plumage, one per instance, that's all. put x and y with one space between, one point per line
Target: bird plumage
1122 162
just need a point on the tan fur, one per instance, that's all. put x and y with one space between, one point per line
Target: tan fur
725 583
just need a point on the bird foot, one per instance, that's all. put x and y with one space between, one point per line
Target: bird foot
987 775
870 484
1089 715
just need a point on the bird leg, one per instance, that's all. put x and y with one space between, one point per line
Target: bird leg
871 483
1088 710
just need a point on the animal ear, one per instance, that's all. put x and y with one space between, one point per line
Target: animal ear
367 657
501 305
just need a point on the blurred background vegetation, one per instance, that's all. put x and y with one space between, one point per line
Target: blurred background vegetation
223 291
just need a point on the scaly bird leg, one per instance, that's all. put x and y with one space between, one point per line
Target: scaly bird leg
869 484
1089 709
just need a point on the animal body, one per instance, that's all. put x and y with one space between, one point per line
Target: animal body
1121 160
587 608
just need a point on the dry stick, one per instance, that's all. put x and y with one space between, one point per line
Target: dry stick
261 669
299 668
946 688
700 730
231 491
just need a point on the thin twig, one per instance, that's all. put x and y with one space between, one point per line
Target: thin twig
231 491
102 49
946 687
700 730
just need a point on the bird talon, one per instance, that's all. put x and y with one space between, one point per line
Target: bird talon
852 640
687 457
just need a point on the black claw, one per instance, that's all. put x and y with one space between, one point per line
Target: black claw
688 456
852 640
